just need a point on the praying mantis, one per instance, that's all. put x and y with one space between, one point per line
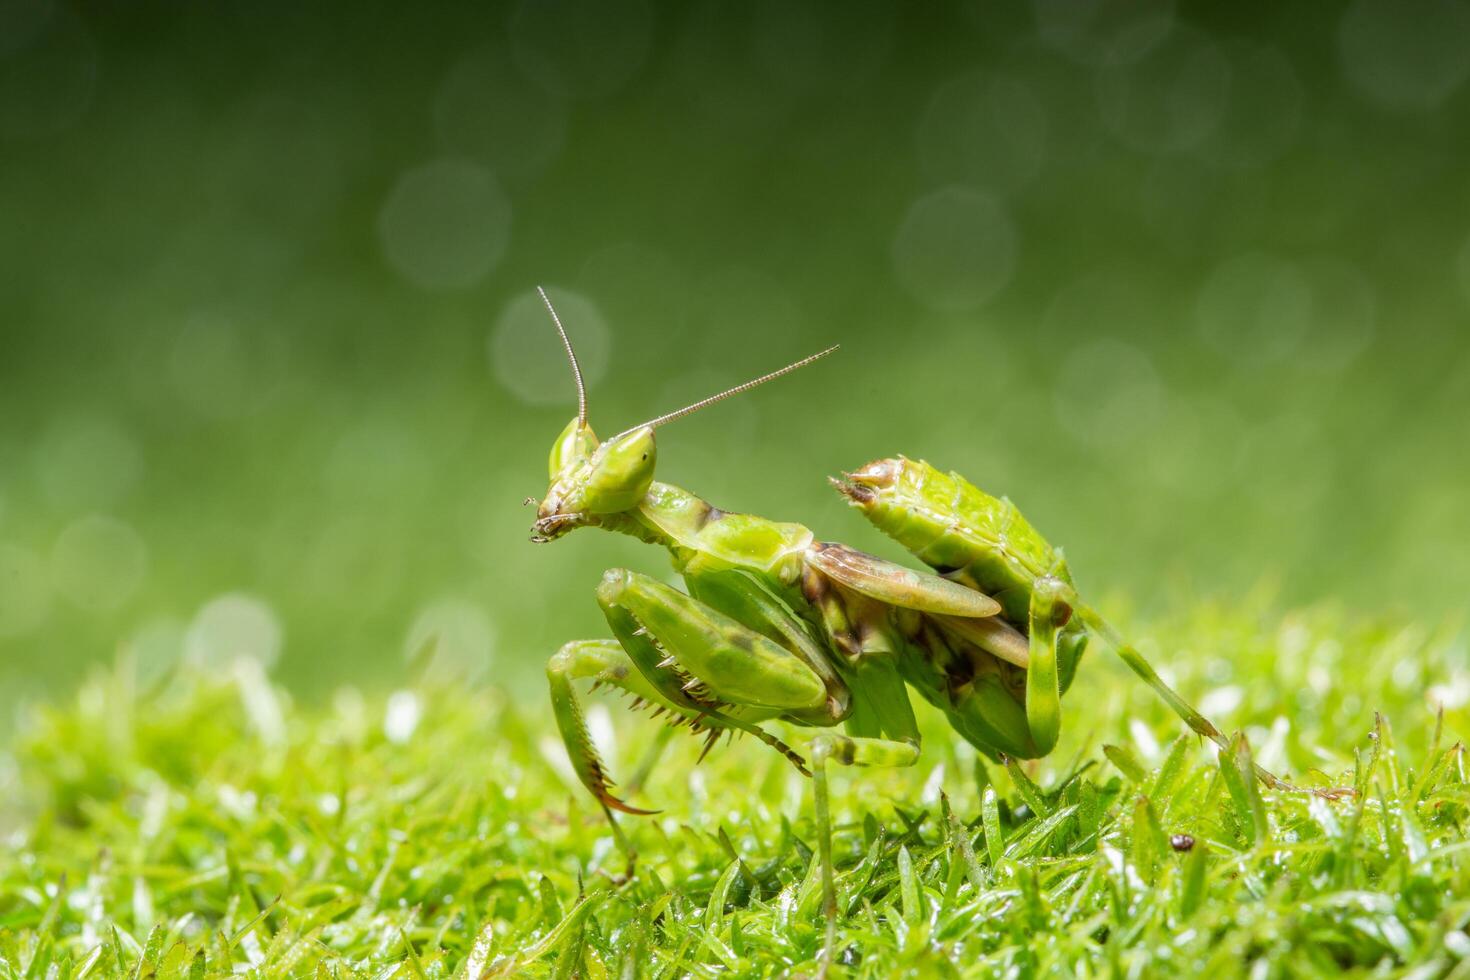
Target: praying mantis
777 625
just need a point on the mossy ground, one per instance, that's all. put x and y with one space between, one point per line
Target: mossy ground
203 823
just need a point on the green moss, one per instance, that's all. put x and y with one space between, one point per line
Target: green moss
208 824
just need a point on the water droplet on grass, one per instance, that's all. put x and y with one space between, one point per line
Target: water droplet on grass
401 716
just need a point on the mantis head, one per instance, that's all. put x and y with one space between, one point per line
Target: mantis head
591 480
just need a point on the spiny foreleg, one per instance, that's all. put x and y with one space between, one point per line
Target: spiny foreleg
605 662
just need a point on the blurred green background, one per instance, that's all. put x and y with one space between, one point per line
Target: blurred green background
1190 283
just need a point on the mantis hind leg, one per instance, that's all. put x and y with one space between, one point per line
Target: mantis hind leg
1187 712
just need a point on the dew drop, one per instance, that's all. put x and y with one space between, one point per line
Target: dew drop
401 716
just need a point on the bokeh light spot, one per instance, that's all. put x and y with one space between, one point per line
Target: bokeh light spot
48 69
584 48
1108 395
462 634
527 356
1113 300
955 249
230 627
745 302
22 21
1170 100
375 458
401 716
445 224
632 280
1254 308
1345 313
25 591
156 647
1262 117
985 130
86 461
1103 32
1179 200
798 44
222 370
98 563
1462 269
487 110
1405 54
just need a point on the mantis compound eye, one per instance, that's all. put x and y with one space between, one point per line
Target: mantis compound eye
621 472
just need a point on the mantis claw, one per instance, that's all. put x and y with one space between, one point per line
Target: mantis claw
612 802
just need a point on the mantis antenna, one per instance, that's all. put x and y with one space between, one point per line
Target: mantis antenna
738 389
571 356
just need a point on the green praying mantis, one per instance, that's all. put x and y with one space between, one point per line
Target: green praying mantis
778 625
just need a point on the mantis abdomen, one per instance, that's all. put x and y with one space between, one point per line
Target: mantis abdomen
955 527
